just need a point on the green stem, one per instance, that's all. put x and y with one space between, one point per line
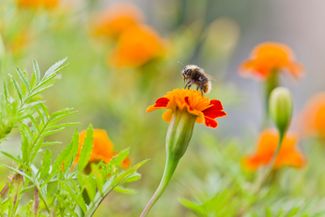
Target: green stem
99 197
271 82
170 167
178 136
261 179
263 176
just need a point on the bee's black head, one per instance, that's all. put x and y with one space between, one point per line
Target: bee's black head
188 70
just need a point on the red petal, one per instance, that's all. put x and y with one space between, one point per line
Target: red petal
210 123
186 99
217 103
161 102
214 111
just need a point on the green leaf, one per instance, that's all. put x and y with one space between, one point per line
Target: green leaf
6 92
100 177
18 171
10 156
37 71
17 88
120 157
197 209
64 159
54 68
24 78
86 149
88 182
124 190
268 212
76 196
46 164
133 178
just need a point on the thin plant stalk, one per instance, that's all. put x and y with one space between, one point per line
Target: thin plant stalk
170 167
263 176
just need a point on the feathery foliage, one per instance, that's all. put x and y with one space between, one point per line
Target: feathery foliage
42 184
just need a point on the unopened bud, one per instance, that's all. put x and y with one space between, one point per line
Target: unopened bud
281 108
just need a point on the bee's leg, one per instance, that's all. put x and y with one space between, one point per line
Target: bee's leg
198 87
188 85
201 90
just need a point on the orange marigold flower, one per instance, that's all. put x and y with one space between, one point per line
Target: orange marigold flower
192 101
48 4
314 116
116 19
136 46
288 155
269 57
103 148
19 42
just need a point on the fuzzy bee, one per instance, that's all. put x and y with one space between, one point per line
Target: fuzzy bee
193 74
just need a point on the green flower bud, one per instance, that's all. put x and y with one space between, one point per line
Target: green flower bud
179 133
281 108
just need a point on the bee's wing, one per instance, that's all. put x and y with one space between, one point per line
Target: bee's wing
210 77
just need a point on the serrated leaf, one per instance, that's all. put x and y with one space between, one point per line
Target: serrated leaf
97 172
36 70
46 164
133 178
77 197
86 149
120 157
23 77
18 171
124 190
64 159
197 209
32 104
5 91
10 156
55 68
17 88
88 182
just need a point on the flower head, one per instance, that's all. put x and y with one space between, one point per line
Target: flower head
35 4
269 57
191 101
103 148
116 19
136 46
19 42
288 155
184 108
314 116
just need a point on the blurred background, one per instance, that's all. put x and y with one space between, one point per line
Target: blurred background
111 85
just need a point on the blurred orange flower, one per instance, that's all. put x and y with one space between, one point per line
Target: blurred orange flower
191 101
103 148
269 57
314 116
48 4
137 46
116 19
18 42
288 155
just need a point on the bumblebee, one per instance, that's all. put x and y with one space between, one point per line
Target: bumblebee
193 74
